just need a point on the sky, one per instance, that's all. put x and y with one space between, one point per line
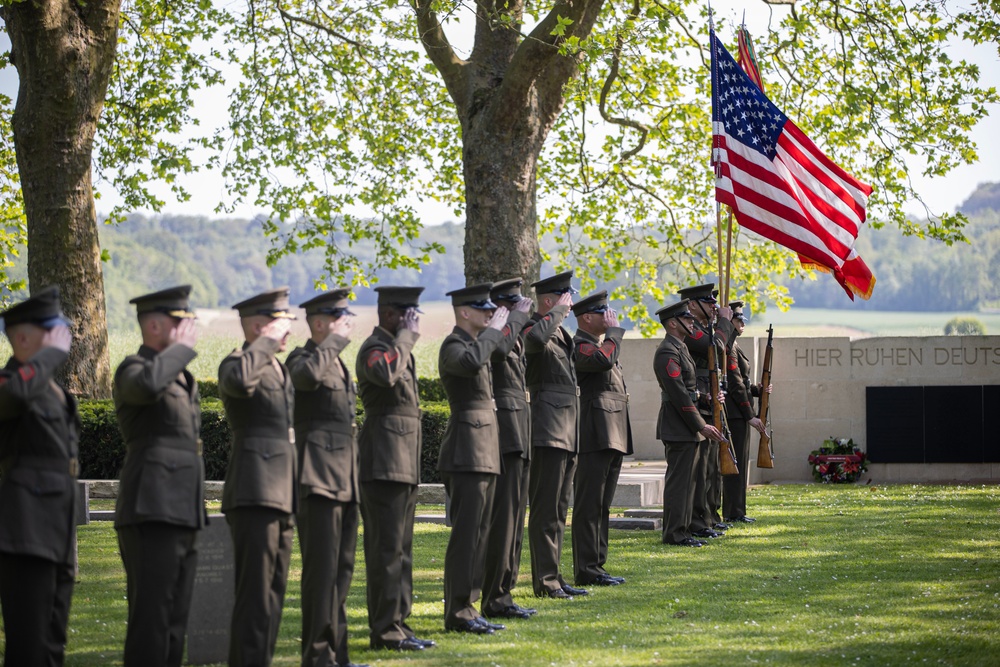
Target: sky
942 194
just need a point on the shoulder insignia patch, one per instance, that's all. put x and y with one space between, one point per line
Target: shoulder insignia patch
26 372
697 334
673 368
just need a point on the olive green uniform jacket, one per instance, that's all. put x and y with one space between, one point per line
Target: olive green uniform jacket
679 419
551 379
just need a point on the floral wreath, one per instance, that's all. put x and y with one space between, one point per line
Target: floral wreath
838 461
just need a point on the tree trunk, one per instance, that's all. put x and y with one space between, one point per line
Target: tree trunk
64 51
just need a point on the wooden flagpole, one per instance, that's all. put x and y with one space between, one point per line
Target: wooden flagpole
729 256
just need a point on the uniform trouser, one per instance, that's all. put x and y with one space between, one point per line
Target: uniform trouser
549 487
262 546
679 489
471 496
503 546
328 537
594 487
713 485
35 595
734 487
160 561
701 518
387 509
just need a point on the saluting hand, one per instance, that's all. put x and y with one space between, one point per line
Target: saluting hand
342 326
277 329
713 433
185 333
565 299
524 305
499 319
610 318
411 320
58 337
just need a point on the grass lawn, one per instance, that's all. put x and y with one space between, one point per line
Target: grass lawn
829 575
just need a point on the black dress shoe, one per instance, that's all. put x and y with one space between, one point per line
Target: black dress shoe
572 590
427 643
721 527
407 644
620 580
743 519
472 626
708 533
688 542
492 626
512 611
559 594
605 580
525 610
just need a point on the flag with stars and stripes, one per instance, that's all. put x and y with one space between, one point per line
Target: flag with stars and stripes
778 183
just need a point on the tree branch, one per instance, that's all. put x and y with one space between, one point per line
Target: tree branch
440 52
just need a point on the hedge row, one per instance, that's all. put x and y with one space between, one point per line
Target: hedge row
102 450
431 390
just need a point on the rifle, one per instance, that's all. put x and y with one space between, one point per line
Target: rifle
765 456
727 455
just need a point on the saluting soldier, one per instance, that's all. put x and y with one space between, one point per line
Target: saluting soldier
39 437
328 477
605 436
161 504
679 425
551 377
707 522
739 410
390 465
469 460
503 547
260 494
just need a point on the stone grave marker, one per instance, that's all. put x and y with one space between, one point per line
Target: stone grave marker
214 592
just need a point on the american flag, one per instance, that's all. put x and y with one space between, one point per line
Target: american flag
778 183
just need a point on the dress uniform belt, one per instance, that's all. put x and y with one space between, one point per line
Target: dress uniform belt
326 426
394 411
159 442
69 466
615 395
513 392
557 388
270 433
693 395
473 405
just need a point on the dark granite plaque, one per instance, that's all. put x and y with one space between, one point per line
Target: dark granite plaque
82 503
214 591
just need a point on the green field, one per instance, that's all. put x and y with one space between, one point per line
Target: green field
829 575
809 322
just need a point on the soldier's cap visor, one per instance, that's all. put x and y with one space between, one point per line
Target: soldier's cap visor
508 297
485 304
179 313
276 314
564 290
405 306
335 312
686 315
53 322
707 299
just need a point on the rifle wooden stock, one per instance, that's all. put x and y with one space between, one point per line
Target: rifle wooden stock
765 456
727 454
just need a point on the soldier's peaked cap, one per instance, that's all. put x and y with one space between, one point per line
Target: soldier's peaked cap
507 290
595 303
399 297
474 296
706 291
557 284
738 313
43 308
336 302
679 309
172 301
273 303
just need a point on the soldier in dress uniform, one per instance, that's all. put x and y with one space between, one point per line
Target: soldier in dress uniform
469 461
503 549
739 410
605 436
39 435
551 377
680 425
260 496
328 477
707 522
389 443
161 501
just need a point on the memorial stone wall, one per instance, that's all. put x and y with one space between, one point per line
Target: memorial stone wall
821 390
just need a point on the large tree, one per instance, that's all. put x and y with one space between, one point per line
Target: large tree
586 119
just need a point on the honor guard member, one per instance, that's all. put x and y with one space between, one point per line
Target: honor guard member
469 461
605 436
679 425
707 522
740 412
503 548
390 465
328 477
161 502
260 494
39 434
551 377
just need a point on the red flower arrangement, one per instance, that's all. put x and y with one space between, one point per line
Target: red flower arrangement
838 461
